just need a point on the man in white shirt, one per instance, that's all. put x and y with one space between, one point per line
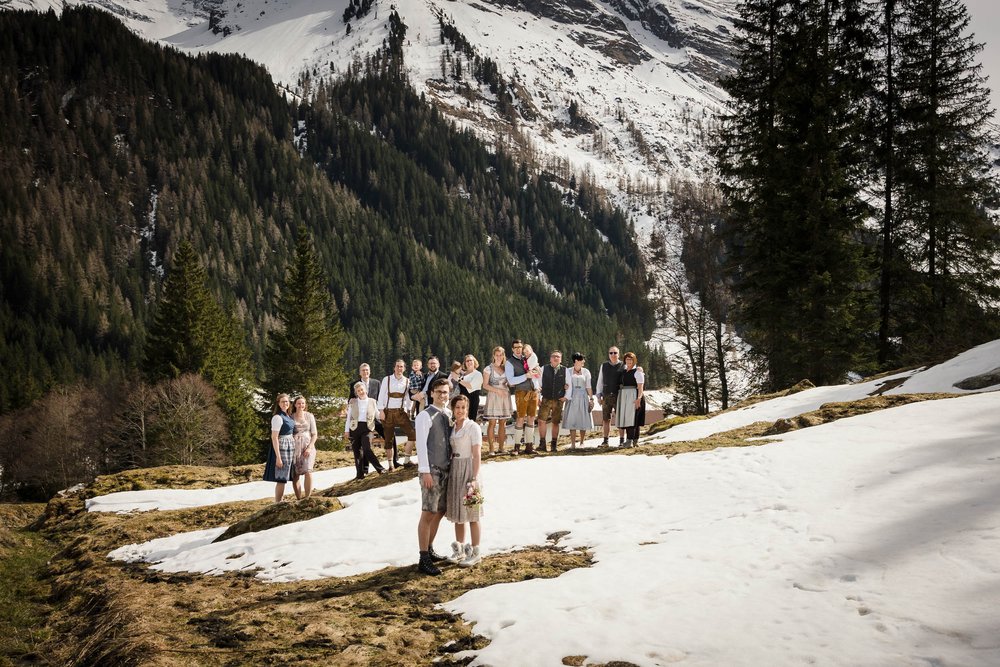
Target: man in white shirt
433 464
394 411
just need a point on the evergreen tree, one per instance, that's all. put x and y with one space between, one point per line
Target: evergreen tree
181 327
305 355
791 158
946 236
192 334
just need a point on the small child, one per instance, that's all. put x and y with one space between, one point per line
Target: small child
455 377
417 379
531 362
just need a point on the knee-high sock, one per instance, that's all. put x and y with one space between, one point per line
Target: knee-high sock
529 436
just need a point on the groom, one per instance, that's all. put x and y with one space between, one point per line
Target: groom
433 461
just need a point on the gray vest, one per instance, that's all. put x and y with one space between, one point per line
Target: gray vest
439 439
518 365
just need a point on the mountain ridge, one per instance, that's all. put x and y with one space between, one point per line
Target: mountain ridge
644 72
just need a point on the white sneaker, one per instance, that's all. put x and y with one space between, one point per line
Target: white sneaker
457 553
471 556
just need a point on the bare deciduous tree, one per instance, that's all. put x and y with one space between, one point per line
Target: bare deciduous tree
186 426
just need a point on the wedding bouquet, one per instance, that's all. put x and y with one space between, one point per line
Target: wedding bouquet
473 495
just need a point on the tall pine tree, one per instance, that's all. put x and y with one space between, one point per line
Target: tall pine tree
791 160
305 355
192 334
946 237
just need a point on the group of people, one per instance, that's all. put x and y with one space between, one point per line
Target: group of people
293 447
550 396
438 413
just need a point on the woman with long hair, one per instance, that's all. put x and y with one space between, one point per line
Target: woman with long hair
305 446
497 410
280 467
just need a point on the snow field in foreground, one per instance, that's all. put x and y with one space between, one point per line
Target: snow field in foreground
871 540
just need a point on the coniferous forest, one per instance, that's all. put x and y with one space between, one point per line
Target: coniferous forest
115 151
861 226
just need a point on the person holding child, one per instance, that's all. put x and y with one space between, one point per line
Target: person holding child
463 483
416 387
519 377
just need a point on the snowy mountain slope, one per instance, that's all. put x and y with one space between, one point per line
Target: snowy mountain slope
642 73
869 540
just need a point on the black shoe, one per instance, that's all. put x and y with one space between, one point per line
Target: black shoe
552 446
357 477
435 556
604 443
426 565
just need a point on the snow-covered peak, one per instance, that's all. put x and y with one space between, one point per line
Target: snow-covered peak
641 75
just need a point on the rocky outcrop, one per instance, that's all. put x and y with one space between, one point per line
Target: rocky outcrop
980 381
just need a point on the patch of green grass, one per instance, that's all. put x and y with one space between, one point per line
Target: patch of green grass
24 591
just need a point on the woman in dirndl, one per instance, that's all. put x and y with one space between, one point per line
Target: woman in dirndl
463 481
631 409
497 410
280 466
578 413
305 446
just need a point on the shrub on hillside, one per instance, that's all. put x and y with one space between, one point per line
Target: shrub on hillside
73 434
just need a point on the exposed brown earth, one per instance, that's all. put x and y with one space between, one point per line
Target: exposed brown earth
104 612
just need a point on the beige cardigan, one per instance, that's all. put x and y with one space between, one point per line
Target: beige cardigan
352 414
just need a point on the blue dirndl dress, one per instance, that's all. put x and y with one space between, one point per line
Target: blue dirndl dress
286 443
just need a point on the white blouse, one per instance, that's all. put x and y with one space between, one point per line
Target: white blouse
464 439
475 380
584 373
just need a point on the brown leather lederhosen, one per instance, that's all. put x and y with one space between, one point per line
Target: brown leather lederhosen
397 417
